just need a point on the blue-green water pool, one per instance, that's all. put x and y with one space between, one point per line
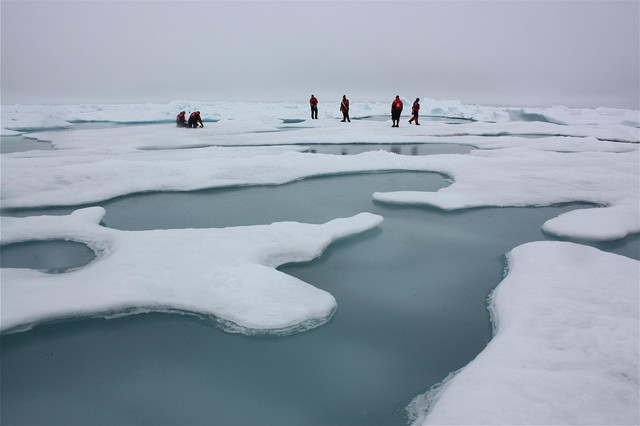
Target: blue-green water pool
411 309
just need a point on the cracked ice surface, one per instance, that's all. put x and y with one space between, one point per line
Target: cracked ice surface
227 273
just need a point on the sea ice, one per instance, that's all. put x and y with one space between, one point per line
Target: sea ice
566 343
227 273
89 166
565 349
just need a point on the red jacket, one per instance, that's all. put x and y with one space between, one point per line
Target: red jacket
195 116
313 101
344 105
396 104
416 106
180 118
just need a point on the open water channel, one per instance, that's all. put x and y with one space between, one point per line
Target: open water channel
411 309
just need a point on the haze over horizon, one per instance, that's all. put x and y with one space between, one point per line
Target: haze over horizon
576 53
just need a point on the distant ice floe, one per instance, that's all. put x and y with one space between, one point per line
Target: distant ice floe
34 117
227 275
565 349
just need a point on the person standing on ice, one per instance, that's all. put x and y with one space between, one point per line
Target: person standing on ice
181 120
344 107
314 107
414 109
396 110
194 119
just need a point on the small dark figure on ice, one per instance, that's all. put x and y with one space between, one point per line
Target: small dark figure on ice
314 107
396 110
194 119
414 109
181 120
344 107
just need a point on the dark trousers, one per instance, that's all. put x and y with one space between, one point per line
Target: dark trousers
345 115
314 111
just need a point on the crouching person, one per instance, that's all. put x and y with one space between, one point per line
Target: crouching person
194 119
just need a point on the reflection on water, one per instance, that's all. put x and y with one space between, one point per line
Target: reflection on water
411 308
423 118
402 149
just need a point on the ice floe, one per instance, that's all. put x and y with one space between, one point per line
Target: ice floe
565 349
227 274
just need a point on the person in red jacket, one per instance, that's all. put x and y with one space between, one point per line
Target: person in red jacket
414 109
344 107
396 110
181 120
194 119
314 107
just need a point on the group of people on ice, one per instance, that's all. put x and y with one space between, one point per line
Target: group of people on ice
396 110
194 119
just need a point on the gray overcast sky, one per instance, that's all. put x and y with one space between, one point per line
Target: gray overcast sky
504 52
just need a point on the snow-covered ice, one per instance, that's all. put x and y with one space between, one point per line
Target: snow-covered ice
565 349
37 117
226 273
584 165
566 344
